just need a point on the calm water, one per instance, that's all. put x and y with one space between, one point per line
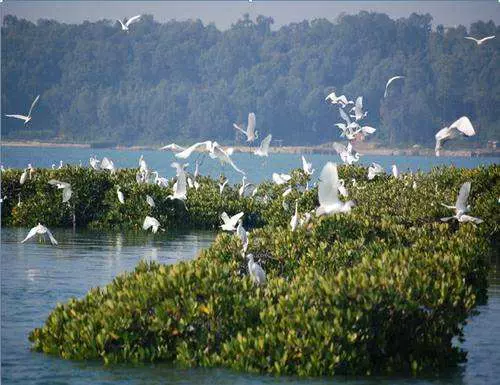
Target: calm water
34 277
257 169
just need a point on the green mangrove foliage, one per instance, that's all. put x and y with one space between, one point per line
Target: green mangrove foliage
383 289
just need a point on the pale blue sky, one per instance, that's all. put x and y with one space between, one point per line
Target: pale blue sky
223 13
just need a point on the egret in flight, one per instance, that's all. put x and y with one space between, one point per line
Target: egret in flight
125 26
41 230
461 207
66 189
250 132
307 166
462 126
480 41
26 118
263 150
389 82
230 222
150 222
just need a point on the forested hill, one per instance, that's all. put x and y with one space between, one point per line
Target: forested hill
187 81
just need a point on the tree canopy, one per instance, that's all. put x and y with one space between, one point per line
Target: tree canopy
184 81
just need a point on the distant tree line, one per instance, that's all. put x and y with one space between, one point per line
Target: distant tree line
185 81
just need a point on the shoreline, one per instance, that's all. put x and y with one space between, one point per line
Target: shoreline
364 149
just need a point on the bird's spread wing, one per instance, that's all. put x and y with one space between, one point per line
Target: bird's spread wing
225 217
150 222
31 233
51 237
264 145
240 129
174 147
328 185
251 124
121 22
33 105
132 19
471 38
188 151
463 195
235 218
468 218
22 117
389 82
464 125
224 158
487 38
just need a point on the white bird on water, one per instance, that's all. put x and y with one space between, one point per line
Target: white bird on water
390 81
230 222
328 192
250 132
462 126
263 149
256 272
66 189
125 26
40 229
23 117
461 207
150 222
479 41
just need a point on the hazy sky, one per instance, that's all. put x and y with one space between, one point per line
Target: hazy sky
224 13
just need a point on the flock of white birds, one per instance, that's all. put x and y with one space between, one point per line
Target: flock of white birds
329 185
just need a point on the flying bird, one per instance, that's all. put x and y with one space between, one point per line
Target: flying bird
26 118
263 150
230 222
479 41
334 99
281 178
173 147
250 132
346 153
151 223
389 82
328 192
461 207
462 126
307 166
66 189
41 230
125 26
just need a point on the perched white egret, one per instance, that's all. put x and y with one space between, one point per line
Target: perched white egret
65 187
230 222
255 190
281 178
107 164
242 234
119 193
479 41
250 132
389 82
256 272
160 181
24 175
60 165
395 171
263 150
343 189
42 230
150 201
307 166
374 170
295 218
328 189
244 186
125 26
462 126
143 166
150 222
23 117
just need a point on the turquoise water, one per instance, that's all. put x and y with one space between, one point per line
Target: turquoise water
256 168
35 276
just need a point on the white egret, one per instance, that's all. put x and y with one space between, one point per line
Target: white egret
346 153
395 171
107 164
461 206
94 163
343 189
462 126
119 193
180 186
160 181
125 26
479 41
60 165
143 166
222 185
242 234
24 175
334 99
230 222
224 157
204 146
307 166
263 150
328 187
66 189
295 219
244 186
374 170
281 178
286 192
256 272
150 222
173 147
150 201
358 109
40 229
23 117
250 132
390 81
